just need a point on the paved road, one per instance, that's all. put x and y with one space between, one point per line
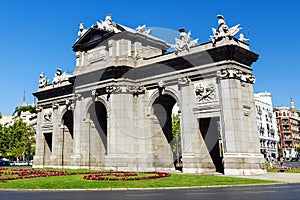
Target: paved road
274 192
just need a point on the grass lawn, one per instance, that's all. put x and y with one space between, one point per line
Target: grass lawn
77 182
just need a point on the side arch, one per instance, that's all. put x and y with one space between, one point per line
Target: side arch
66 130
168 91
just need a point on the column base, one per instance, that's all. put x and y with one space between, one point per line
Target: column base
243 164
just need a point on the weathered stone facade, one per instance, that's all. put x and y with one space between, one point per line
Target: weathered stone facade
114 111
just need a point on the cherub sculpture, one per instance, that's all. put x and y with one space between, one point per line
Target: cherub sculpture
82 30
43 82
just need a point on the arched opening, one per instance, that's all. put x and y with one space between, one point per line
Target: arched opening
210 131
67 138
167 115
97 133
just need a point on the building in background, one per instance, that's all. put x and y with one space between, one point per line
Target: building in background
267 126
6 120
24 111
288 121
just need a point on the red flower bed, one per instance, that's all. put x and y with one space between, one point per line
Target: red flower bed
111 176
124 176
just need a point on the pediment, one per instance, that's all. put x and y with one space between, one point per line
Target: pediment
91 39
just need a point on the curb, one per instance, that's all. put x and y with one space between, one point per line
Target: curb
145 189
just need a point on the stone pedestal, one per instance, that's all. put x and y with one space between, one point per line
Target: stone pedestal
243 164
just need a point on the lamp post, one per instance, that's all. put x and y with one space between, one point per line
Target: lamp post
89 156
220 139
177 147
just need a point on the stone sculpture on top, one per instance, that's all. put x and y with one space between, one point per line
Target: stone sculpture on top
185 42
142 29
223 30
108 25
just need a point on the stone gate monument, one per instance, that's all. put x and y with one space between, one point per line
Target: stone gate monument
115 110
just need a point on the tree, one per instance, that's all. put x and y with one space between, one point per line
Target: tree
17 140
31 109
280 151
176 144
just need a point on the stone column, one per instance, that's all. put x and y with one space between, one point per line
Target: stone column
40 141
122 136
55 158
79 127
241 146
195 155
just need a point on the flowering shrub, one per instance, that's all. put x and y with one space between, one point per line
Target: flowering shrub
15 174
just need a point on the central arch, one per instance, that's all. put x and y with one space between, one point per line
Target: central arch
163 108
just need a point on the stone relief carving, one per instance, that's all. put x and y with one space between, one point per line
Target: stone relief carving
247 110
60 77
205 92
43 82
113 89
47 117
136 90
185 42
70 105
55 105
108 25
161 87
142 29
223 30
183 81
232 73
39 109
82 30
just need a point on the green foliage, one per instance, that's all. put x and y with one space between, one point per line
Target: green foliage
280 151
17 141
175 131
31 109
175 124
0 115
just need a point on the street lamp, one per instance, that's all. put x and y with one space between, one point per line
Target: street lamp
220 139
177 147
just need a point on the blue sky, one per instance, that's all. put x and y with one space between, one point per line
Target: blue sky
38 36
